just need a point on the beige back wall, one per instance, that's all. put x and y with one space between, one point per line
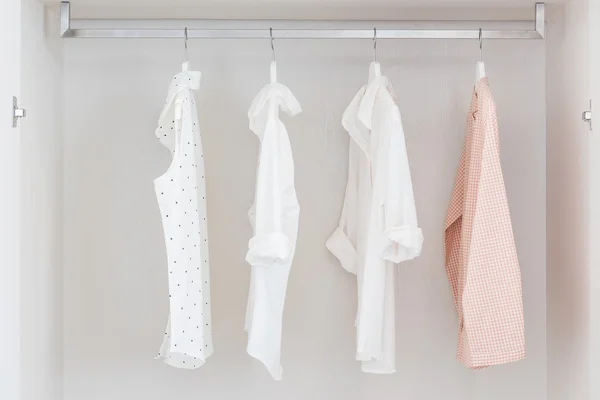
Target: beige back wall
115 278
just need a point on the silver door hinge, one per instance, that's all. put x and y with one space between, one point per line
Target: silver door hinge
587 115
17 112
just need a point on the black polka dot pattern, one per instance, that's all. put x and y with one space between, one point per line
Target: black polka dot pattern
181 195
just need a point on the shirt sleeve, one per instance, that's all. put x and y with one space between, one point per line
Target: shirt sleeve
269 245
341 243
402 237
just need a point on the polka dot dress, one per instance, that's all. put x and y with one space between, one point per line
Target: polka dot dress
181 198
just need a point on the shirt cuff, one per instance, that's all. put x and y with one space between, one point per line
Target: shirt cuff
340 246
266 250
402 244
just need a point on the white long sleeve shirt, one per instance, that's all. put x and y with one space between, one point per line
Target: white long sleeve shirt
378 227
274 217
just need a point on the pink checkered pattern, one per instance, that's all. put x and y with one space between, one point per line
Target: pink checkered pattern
481 258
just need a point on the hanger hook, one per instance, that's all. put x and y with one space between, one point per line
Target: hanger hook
272 42
185 42
375 44
480 45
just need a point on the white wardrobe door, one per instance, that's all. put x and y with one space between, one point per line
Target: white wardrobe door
573 202
594 199
10 79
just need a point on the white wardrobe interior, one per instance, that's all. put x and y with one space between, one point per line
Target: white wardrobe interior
94 281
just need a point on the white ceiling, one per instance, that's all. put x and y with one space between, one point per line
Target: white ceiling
305 9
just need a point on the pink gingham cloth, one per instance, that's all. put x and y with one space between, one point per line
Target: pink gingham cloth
481 258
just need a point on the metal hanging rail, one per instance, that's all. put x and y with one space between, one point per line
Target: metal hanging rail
313 33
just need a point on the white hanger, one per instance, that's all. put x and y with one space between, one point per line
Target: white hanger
480 69
186 63
273 72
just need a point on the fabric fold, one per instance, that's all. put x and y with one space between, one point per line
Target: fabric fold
268 249
402 244
342 248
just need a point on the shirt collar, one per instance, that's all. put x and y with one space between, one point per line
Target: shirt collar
268 102
358 116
